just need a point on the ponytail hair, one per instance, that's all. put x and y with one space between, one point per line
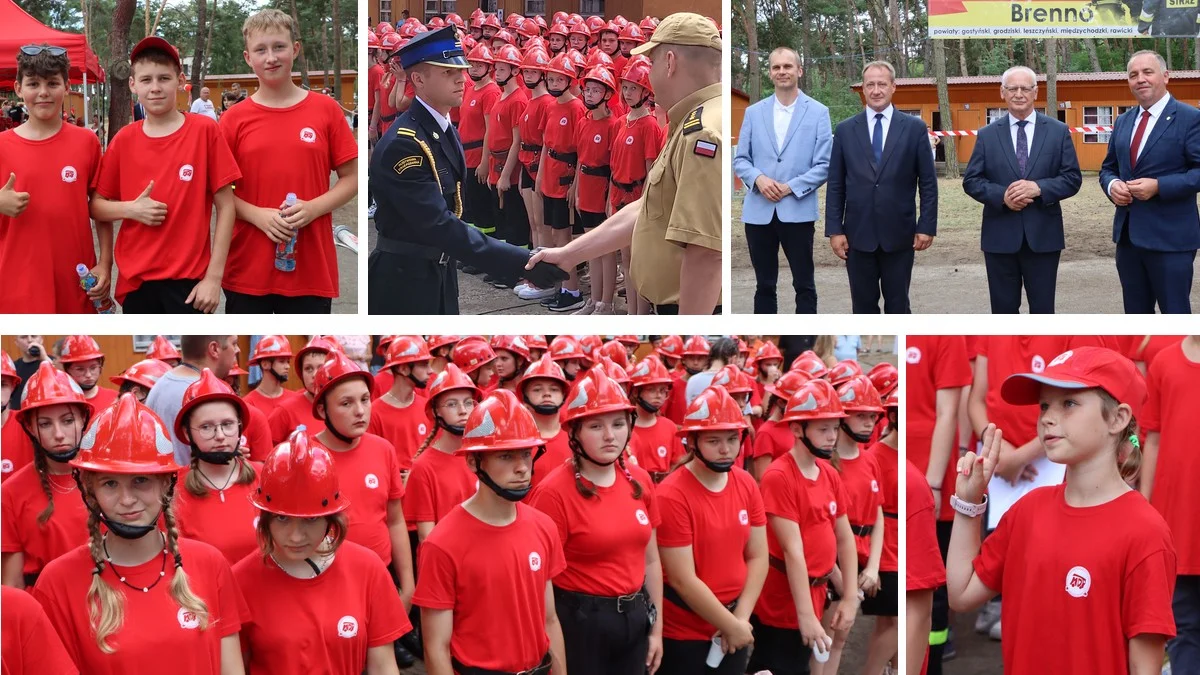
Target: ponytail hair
1129 461
427 442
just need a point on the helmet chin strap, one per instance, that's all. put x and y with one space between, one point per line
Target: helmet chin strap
452 429
577 449
508 494
60 457
715 467
87 387
123 530
652 409
858 438
820 453
279 378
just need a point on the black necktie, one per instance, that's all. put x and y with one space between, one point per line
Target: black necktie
877 138
1022 146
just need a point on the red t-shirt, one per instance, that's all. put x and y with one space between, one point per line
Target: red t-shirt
925 569
933 362
258 435
384 380
439 481
1171 409
324 624
16 450
28 640
509 582
374 77
532 126
405 428
290 414
224 519
862 479
22 500
40 248
675 406
558 452
472 123
179 248
1092 578
155 626
386 111
370 478
562 122
888 460
267 405
315 139
605 537
717 527
634 143
104 398
773 439
506 114
814 505
594 138
656 448
1140 349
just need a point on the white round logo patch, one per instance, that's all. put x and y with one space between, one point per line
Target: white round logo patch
1079 582
874 485
347 627
372 481
596 138
527 118
422 429
662 451
629 140
743 517
69 174
833 508
642 517
562 122
308 135
535 561
6 466
912 356
185 173
1038 364
187 619
473 102
633 460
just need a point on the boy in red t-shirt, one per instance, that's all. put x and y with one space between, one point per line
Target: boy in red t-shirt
653 446
529 135
48 171
161 178
503 144
478 205
557 170
588 193
281 120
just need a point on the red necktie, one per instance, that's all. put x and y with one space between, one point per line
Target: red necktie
1137 139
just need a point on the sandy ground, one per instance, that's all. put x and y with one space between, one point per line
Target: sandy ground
977 654
949 277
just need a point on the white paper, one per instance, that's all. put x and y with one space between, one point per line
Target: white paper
1002 494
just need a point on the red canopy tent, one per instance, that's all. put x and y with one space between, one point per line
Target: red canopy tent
18 28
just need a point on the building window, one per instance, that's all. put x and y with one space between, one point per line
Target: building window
1097 116
994 114
914 113
535 7
590 7
385 10
431 8
141 343
448 6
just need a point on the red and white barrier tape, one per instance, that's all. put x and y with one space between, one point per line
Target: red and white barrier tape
1074 130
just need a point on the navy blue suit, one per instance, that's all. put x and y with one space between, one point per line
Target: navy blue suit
875 207
1157 238
1022 247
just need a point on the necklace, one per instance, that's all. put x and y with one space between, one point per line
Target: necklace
220 490
60 490
162 572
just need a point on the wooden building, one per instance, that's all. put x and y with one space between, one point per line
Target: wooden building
219 84
1084 99
392 11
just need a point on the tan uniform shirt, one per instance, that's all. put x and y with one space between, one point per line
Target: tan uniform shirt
681 205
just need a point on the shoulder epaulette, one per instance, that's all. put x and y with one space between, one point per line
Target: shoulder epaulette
692 122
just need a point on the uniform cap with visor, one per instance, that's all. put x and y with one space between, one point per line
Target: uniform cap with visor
441 47
1081 368
682 28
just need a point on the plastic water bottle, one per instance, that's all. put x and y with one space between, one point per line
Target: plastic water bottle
88 281
285 253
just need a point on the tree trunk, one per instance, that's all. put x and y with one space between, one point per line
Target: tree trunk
1196 54
198 54
211 22
324 55
301 62
1052 78
157 18
118 67
962 58
804 48
943 94
1093 58
337 51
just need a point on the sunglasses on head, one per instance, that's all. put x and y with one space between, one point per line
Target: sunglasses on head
34 50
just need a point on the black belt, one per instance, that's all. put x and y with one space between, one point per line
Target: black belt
780 565
388 118
566 180
629 187
472 145
406 248
619 604
604 171
565 157
540 669
530 147
673 310
671 595
861 530
890 515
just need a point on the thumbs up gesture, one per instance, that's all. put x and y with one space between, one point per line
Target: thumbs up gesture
145 210
12 203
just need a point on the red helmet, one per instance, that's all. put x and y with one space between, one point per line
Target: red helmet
610 27
595 24
500 422
205 390
49 386
574 18
298 479
437 341
670 346
536 342
810 363
512 19
236 371
558 29
885 377
76 348
383 28
540 21
615 352
492 21
602 74
648 25
508 54
8 369
631 340
565 347
271 347
477 13
468 43
595 394
788 384
580 29
589 345
537 44
528 28
696 345
743 348
842 371
163 350
436 22
638 72
477 22
448 380
892 400
126 438
712 410
561 65
734 380
620 20
613 370
648 371
577 59
337 369
544 368
814 400
560 17
511 343
481 54
410 30
318 344
144 373
535 59
768 352
391 42
858 395
406 349
506 36
599 58
472 353
631 33
453 18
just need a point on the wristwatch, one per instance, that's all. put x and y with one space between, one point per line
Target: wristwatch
967 508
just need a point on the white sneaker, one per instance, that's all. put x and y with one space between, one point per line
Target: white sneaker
371 210
524 285
987 617
533 293
589 307
994 633
604 308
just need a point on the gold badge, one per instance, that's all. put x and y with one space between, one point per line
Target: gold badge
408 163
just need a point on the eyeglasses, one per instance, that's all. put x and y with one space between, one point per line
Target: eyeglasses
209 431
467 405
1019 90
34 50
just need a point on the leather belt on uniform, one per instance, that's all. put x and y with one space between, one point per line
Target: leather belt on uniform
862 530
540 669
471 145
569 158
629 187
618 604
890 515
388 118
603 171
566 180
780 565
407 248
530 147
671 595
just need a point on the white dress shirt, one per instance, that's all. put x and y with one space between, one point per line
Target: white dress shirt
783 119
887 123
1012 129
1156 111
442 121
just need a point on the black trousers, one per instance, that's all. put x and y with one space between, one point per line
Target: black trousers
940 626
764 242
401 284
512 218
1008 272
687 657
242 303
779 650
601 641
873 272
168 296
1149 278
479 203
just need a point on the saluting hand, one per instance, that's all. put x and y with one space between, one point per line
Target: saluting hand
12 203
975 471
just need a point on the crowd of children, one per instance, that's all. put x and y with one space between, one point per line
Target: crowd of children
623 533
559 130
271 249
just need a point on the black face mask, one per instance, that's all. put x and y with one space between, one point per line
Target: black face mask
218 457
816 452
63 457
87 387
652 409
593 106
716 467
858 438
556 93
693 371
123 530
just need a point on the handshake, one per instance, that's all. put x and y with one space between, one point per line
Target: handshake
540 271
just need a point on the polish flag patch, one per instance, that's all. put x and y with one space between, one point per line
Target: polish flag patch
705 149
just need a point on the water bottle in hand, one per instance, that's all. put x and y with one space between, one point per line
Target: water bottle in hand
88 281
285 253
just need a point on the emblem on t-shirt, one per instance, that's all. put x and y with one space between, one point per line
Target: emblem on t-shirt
308 135
188 619
473 102
743 517
913 356
642 517
6 466
662 451
596 138
874 485
562 122
629 140
69 174
422 429
372 481
1079 582
347 627
1062 358
535 561
1037 364
632 460
833 508
185 173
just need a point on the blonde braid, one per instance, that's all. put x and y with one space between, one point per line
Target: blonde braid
181 590
106 606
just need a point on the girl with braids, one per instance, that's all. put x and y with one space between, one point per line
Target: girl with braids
609 595
713 541
774 438
214 505
1089 561
318 603
42 518
124 602
440 479
512 358
543 389
808 536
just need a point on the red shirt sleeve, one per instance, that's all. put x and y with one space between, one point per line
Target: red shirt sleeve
108 180
925 568
258 436
778 499
554 548
342 145
758 516
396 487
418 502
222 168
989 564
234 610
1151 417
1146 597
676 525
436 585
839 490
656 138
550 503
386 620
10 539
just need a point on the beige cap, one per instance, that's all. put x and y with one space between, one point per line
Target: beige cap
683 28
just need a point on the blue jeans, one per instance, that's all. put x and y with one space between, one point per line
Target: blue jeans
1184 650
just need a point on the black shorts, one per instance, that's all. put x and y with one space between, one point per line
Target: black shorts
886 601
779 650
526 179
164 296
243 303
555 213
587 220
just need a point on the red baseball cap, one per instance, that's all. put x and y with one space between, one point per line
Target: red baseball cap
1081 368
155 42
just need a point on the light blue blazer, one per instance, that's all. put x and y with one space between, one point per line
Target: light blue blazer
802 162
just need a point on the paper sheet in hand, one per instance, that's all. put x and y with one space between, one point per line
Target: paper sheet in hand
1002 494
